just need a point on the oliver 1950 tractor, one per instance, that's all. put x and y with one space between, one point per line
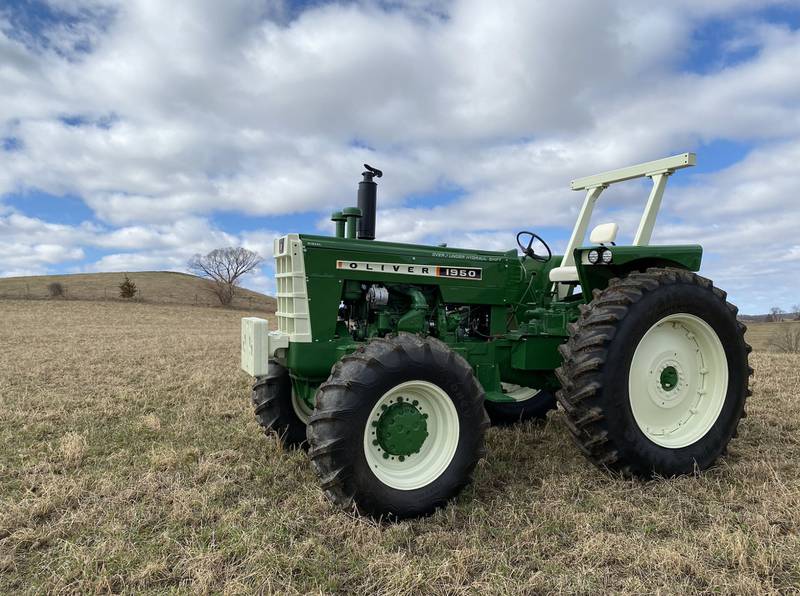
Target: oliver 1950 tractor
391 360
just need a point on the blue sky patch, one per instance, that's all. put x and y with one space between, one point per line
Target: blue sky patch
68 210
721 43
11 144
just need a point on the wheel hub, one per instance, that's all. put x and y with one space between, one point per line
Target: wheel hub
401 428
668 381
678 380
668 378
411 435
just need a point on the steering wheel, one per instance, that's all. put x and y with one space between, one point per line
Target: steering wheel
527 249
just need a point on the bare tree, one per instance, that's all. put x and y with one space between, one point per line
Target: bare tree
786 339
774 315
796 311
225 267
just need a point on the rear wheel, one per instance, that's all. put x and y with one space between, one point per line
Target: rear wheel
655 374
398 427
278 409
528 404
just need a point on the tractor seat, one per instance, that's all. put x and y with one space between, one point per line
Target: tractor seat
564 274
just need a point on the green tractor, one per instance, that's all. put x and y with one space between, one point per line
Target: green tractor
391 360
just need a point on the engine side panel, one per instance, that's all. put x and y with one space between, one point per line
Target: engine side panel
462 276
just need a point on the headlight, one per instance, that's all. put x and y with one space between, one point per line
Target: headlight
607 256
593 256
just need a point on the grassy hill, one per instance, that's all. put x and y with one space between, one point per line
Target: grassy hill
159 287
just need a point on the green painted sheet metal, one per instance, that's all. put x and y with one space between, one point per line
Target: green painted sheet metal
496 278
630 258
526 323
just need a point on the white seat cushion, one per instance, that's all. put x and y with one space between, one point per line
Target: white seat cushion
604 233
564 274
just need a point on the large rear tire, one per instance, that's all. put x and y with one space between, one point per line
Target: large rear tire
398 427
655 374
278 410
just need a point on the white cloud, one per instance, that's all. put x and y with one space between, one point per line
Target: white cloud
139 261
31 245
191 108
260 241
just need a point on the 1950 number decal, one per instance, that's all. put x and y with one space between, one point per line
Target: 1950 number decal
465 273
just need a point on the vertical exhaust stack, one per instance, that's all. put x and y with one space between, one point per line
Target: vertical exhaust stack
367 200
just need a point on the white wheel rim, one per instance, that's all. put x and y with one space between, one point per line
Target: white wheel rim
518 393
419 469
301 408
678 381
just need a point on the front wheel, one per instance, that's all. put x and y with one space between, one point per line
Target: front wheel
655 374
398 427
528 404
278 408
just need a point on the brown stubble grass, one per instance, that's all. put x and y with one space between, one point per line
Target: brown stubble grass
130 462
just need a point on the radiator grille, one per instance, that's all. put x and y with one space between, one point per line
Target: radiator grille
292 293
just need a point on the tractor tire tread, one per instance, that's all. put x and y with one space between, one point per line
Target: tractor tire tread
272 407
584 355
337 400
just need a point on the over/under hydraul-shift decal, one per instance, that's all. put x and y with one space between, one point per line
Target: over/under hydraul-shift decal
467 273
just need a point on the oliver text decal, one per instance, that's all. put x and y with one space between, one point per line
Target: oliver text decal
467 273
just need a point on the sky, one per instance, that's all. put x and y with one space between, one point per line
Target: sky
136 134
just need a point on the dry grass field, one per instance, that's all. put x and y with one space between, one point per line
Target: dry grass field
158 287
130 462
759 334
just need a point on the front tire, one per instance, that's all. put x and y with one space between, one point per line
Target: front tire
655 374
398 427
278 410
